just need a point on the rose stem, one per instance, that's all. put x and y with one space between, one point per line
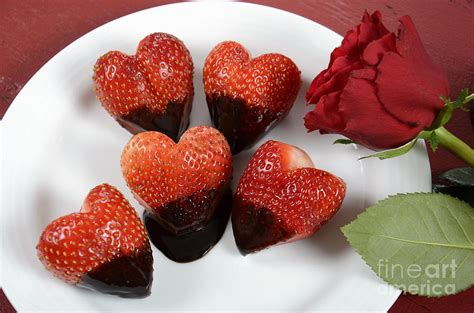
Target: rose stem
455 145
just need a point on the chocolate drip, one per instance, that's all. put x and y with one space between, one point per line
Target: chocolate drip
191 244
125 276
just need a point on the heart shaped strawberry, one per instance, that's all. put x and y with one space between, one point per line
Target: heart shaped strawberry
104 247
281 198
247 97
183 186
151 90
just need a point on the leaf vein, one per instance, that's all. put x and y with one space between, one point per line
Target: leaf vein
450 245
460 225
440 226
460 264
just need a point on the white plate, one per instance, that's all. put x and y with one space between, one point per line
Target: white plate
58 143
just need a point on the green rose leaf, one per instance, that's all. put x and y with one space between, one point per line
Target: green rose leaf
449 106
434 141
387 154
464 193
421 243
463 98
444 115
343 141
460 176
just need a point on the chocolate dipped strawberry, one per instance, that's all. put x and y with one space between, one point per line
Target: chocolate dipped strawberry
184 188
247 97
282 198
103 247
151 90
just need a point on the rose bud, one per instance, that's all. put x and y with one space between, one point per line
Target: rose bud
380 89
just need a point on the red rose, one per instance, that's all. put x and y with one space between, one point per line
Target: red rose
380 89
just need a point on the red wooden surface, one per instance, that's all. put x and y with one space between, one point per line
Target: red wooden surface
33 31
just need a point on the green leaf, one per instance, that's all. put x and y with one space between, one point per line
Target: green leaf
443 116
469 98
421 243
463 193
446 113
445 99
343 141
460 176
387 154
461 99
434 141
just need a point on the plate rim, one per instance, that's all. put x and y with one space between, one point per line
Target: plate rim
5 121
196 3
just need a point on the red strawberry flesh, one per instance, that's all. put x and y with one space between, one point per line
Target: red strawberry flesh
281 198
104 247
247 97
152 90
181 185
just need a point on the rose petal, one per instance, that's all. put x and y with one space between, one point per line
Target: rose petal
367 122
375 50
325 116
408 83
338 60
314 85
348 45
369 73
347 57
325 83
370 29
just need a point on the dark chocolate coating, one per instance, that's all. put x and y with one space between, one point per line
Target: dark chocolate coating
241 126
173 122
124 276
255 228
193 243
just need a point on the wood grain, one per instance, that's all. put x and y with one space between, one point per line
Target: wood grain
445 26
